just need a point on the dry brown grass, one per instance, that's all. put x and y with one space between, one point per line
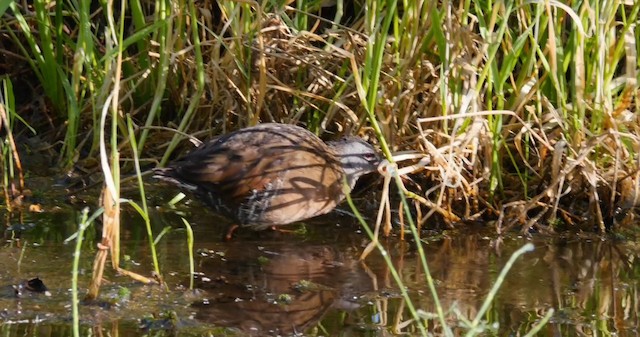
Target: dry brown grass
521 157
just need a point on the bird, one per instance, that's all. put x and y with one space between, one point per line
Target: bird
271 174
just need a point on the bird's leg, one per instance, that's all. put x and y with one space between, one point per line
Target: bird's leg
229 235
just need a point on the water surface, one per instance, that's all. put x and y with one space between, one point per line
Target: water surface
273 283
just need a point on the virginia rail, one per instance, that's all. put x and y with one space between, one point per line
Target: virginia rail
271 174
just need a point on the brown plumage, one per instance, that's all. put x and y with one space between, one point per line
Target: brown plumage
271 174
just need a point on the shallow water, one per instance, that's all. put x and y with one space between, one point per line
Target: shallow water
274 283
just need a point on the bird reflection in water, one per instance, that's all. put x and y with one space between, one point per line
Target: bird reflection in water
271 290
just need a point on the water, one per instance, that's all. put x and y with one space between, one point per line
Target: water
274 283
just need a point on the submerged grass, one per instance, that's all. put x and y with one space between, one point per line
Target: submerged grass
85 221
190 240
520 113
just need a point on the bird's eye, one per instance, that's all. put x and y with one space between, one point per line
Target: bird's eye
369 156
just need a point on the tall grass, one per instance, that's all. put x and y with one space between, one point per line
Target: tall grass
567 67
10 163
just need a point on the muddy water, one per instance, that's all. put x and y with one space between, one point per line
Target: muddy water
274 283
